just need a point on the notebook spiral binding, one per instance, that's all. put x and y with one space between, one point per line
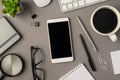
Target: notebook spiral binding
74 69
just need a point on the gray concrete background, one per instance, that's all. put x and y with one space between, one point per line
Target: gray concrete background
38 36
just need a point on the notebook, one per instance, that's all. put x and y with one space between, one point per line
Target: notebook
78 73
115 57
8 35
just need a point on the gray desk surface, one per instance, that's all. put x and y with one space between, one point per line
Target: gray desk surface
38 36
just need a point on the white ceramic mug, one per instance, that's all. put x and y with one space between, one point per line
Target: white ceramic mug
111 34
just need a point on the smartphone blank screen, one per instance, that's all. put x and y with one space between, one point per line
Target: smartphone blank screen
60 41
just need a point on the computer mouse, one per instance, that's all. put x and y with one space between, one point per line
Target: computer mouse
42 3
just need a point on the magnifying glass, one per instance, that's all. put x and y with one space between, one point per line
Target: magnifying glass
11 65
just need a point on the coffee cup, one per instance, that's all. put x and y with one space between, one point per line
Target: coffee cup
105 20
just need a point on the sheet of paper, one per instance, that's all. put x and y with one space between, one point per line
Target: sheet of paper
115 57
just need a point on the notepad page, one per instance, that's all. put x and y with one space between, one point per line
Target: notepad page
115 57
78 73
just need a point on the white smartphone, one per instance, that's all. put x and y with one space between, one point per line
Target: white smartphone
60 40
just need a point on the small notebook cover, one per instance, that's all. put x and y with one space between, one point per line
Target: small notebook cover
8 36
78 73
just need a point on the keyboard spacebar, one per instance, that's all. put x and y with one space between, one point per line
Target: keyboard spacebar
91 1
66 1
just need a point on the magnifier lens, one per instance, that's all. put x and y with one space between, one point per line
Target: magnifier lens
11 65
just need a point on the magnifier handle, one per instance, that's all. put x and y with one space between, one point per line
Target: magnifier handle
2 77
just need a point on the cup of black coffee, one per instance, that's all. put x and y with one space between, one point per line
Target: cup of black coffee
105 20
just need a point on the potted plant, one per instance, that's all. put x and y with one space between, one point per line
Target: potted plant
11 7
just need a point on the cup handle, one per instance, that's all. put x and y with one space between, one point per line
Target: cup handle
113 37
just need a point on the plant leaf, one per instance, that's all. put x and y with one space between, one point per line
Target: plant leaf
12 13
16 2
10 2
3 1
6 4
5 10
18 9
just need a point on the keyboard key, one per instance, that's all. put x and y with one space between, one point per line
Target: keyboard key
75 4
81 2
70 6
91 1
64 7
65 1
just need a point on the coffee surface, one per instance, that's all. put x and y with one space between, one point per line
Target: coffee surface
105 20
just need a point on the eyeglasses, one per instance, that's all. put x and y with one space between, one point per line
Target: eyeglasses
37 58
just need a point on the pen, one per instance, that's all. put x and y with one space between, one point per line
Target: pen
88 36
88 54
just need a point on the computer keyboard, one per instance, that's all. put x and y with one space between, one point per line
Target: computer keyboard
69 5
